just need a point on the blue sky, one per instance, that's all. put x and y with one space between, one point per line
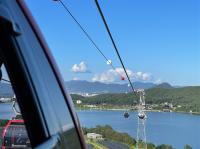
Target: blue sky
158 40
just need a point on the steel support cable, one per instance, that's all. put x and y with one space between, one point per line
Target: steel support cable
113 42
88 36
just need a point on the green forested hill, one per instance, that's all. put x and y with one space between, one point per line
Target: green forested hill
187 97
111 98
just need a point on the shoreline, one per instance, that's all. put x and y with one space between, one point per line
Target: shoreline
132 110
121 109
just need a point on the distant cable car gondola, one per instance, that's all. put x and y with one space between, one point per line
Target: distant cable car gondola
141 115
126 114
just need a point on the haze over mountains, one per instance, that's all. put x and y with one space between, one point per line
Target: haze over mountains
82 86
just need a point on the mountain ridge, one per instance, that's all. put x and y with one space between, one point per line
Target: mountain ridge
83 86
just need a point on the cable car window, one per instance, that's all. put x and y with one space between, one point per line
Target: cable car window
12 128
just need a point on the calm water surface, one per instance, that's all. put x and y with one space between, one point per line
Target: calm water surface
161 128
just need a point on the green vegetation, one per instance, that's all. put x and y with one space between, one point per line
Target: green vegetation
112 137
184 99
108 133
3 123
151 146
109 99
187 147
187 97
163 146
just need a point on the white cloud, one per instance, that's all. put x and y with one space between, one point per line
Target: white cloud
120 71
158 81
113 75
80 68
143 76
139 74
107 76
75 78
146 76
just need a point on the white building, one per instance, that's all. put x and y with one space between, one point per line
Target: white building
78 101
5 99
94 136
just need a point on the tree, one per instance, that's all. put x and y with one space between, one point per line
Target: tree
108 133
163 146
187 147
151 146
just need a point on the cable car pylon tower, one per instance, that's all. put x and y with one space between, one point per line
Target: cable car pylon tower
141 130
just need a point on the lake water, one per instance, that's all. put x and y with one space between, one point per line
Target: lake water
6 111
175 129
161 128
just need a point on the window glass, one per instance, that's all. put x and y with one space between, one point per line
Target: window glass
49 97
12 129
